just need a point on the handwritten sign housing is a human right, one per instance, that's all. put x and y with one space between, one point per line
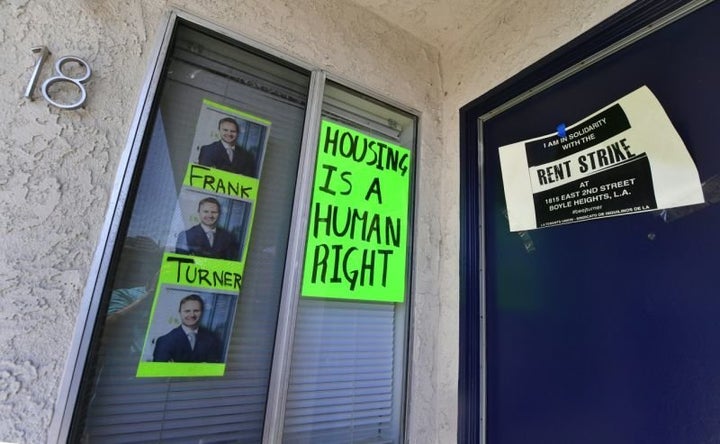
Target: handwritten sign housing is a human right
358 228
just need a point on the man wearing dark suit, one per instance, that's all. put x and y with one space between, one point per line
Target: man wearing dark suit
226 154
189 342
206 239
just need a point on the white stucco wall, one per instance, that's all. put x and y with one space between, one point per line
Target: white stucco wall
57 167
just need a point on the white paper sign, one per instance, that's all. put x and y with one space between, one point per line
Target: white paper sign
626 158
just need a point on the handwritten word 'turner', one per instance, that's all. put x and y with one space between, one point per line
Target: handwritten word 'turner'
187 272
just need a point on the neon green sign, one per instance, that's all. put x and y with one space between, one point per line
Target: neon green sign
357 234
215 284
201 274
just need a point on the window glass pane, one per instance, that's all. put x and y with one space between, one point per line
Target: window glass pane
347 372
205 78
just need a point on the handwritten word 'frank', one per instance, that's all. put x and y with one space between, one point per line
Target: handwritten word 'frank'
201 177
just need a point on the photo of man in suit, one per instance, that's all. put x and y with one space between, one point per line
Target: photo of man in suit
226 154
207 239
189 342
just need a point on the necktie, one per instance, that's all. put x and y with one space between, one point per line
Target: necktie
191 338
230 153
211 237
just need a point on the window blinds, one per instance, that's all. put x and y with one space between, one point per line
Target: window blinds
342 374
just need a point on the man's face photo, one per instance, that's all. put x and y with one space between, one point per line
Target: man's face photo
190 313
228 132
209 213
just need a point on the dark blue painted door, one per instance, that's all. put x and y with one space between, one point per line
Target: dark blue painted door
608 331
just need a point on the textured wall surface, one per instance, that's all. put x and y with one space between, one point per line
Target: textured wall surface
57 168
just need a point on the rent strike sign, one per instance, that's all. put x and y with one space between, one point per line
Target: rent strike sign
357 233
626 158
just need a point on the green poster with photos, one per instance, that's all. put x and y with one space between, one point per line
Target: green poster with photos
358 229
201 274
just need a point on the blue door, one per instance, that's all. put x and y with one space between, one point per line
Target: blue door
606 331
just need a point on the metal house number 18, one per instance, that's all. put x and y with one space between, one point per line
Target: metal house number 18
59 77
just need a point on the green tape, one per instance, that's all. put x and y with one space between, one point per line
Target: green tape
358 228
226 109
187 369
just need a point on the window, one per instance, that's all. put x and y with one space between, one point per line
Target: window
346 376
199 244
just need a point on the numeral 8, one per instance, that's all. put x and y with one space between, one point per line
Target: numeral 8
60 77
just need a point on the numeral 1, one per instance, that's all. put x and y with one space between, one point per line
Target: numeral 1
44 53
